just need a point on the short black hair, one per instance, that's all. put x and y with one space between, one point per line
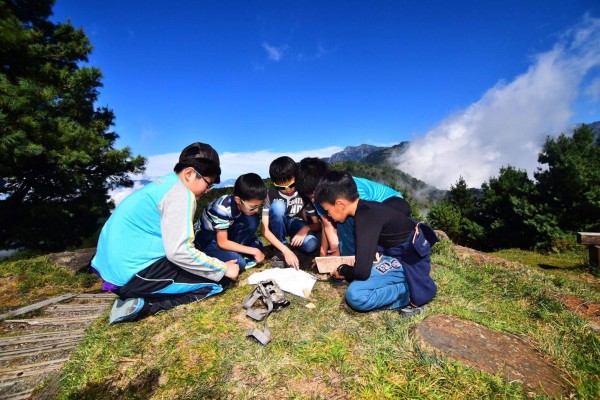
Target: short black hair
283 169
310 172
335 185
203 158
250 187
204 166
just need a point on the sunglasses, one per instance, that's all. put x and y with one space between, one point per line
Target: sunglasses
252 208
284 187
209 185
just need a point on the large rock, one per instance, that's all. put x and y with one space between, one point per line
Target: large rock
76 261
492 351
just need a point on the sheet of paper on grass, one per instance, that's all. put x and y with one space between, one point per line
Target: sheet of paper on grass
327 264
289 279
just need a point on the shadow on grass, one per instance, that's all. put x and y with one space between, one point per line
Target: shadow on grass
141 387
548 266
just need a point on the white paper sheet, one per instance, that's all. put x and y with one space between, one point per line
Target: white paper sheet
290 280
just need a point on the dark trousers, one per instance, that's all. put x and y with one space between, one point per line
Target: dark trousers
164 285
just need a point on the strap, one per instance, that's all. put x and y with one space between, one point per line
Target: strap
263 337
257 314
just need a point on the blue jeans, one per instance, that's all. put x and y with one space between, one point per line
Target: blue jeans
281 225
243 231
385 288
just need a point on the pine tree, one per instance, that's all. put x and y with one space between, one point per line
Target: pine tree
57 155
570 185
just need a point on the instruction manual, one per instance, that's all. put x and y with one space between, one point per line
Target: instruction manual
290 280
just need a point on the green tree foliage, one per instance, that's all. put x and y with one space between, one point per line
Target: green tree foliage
462 198
570 185
57 160
445 216
456 215
507 210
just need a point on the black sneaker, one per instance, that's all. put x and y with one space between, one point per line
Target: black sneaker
410 311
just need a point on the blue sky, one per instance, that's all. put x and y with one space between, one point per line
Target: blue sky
258 79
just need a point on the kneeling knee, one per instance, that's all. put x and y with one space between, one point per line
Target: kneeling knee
356 301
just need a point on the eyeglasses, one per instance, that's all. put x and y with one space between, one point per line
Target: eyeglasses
251 208
209 185
284 187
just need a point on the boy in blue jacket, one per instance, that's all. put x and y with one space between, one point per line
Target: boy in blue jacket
146 253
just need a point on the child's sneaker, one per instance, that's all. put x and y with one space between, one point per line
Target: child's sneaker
250 264
124 310
410 311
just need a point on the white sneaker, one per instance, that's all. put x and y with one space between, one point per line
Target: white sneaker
124 310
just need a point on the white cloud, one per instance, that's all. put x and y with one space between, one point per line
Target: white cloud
274 53
117 195
593 90
508 125
232 165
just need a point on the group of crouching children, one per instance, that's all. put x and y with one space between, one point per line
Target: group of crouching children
309 211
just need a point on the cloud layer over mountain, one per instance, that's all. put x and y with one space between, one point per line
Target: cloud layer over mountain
509 124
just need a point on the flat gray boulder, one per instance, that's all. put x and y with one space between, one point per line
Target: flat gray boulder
76 261
493 352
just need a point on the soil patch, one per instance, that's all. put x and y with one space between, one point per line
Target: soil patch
583 308
479 258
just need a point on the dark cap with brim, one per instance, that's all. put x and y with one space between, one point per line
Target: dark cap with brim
199 150
203 158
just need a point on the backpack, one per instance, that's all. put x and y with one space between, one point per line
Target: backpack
414 254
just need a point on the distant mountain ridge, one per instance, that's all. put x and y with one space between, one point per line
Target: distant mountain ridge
381 157
372 162
353 153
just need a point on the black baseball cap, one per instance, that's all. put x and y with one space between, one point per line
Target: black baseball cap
203 158
199 150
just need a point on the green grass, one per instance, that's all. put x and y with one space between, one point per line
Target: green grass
575 259
26 281
200 350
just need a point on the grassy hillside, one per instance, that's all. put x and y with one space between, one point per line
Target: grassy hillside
200 351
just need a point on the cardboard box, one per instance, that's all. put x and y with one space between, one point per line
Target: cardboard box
327 264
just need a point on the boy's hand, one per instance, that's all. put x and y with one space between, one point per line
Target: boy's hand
298 238
259 256
233 269
336 274
344 271
334 251
291 259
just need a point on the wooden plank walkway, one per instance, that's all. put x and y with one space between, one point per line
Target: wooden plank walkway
33 349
